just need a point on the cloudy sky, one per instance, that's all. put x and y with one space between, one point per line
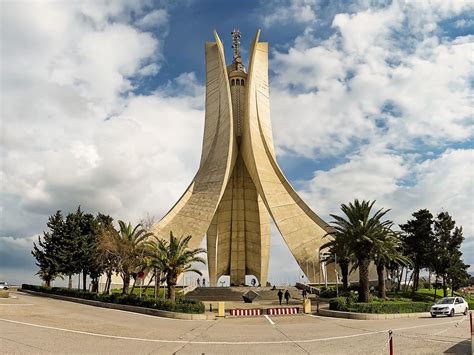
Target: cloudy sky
102 106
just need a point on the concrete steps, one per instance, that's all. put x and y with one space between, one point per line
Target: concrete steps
215 294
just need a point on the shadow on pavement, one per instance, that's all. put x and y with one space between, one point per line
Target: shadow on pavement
463 347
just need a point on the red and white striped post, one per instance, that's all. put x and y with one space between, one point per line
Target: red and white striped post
390 334
470 318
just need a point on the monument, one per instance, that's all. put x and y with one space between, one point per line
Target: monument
239 186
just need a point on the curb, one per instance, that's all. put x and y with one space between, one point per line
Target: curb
124 307
370 316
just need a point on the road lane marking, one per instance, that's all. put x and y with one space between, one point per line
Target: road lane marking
314 340
268 319
331 318
19 304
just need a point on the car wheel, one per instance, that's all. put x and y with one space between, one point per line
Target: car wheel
451 313
465 312
433 315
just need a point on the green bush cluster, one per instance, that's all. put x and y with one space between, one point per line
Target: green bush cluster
327 292
347 304
471 304
181 305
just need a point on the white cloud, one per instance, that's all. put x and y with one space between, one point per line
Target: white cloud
366 84
156 18
74 131
284 12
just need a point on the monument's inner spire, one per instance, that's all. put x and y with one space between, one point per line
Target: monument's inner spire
237 59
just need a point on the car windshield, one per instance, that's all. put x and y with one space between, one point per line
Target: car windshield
445 301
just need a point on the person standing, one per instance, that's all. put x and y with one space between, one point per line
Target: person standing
199 282
280 296
287 296
203 282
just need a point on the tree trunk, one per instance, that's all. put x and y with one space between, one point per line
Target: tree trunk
416 278
108 282
429 279
84 281
171 281
444 286
133 285
47 282
79 281
381 280
157 283
400 276
95 285
126 283
344 265
69 281
364 280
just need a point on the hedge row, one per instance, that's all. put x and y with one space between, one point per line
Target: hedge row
181 305
346 304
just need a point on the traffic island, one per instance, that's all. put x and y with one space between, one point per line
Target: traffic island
125 307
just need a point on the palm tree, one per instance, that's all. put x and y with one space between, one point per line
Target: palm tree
362 231
173 257
387 251
129 244
338 249
151 263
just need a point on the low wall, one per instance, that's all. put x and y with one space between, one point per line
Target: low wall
370 316
124 307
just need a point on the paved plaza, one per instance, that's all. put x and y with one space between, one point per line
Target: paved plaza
30 324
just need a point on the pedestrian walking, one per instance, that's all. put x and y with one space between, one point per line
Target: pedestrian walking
280 296
304 294
287 296
199 282
203 282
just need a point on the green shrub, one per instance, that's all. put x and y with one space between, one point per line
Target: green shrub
338 304
471 304
390 307
327 292
181 305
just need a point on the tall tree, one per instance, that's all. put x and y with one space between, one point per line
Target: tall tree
69 252
418 241
447 261
362 228
174 257
338 249
387 251
46 251
129 249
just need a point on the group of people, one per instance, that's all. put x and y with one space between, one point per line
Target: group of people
203 282
280 296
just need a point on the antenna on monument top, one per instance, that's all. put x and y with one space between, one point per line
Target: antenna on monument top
237 60
236 42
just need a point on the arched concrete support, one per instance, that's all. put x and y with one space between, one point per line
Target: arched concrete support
301 228
193 212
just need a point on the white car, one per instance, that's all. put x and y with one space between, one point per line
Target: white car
3 285
449 306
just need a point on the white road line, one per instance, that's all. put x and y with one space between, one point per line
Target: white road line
268 319
331 318
219 342
19 304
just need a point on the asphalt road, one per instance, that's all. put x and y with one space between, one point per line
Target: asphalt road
30 324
